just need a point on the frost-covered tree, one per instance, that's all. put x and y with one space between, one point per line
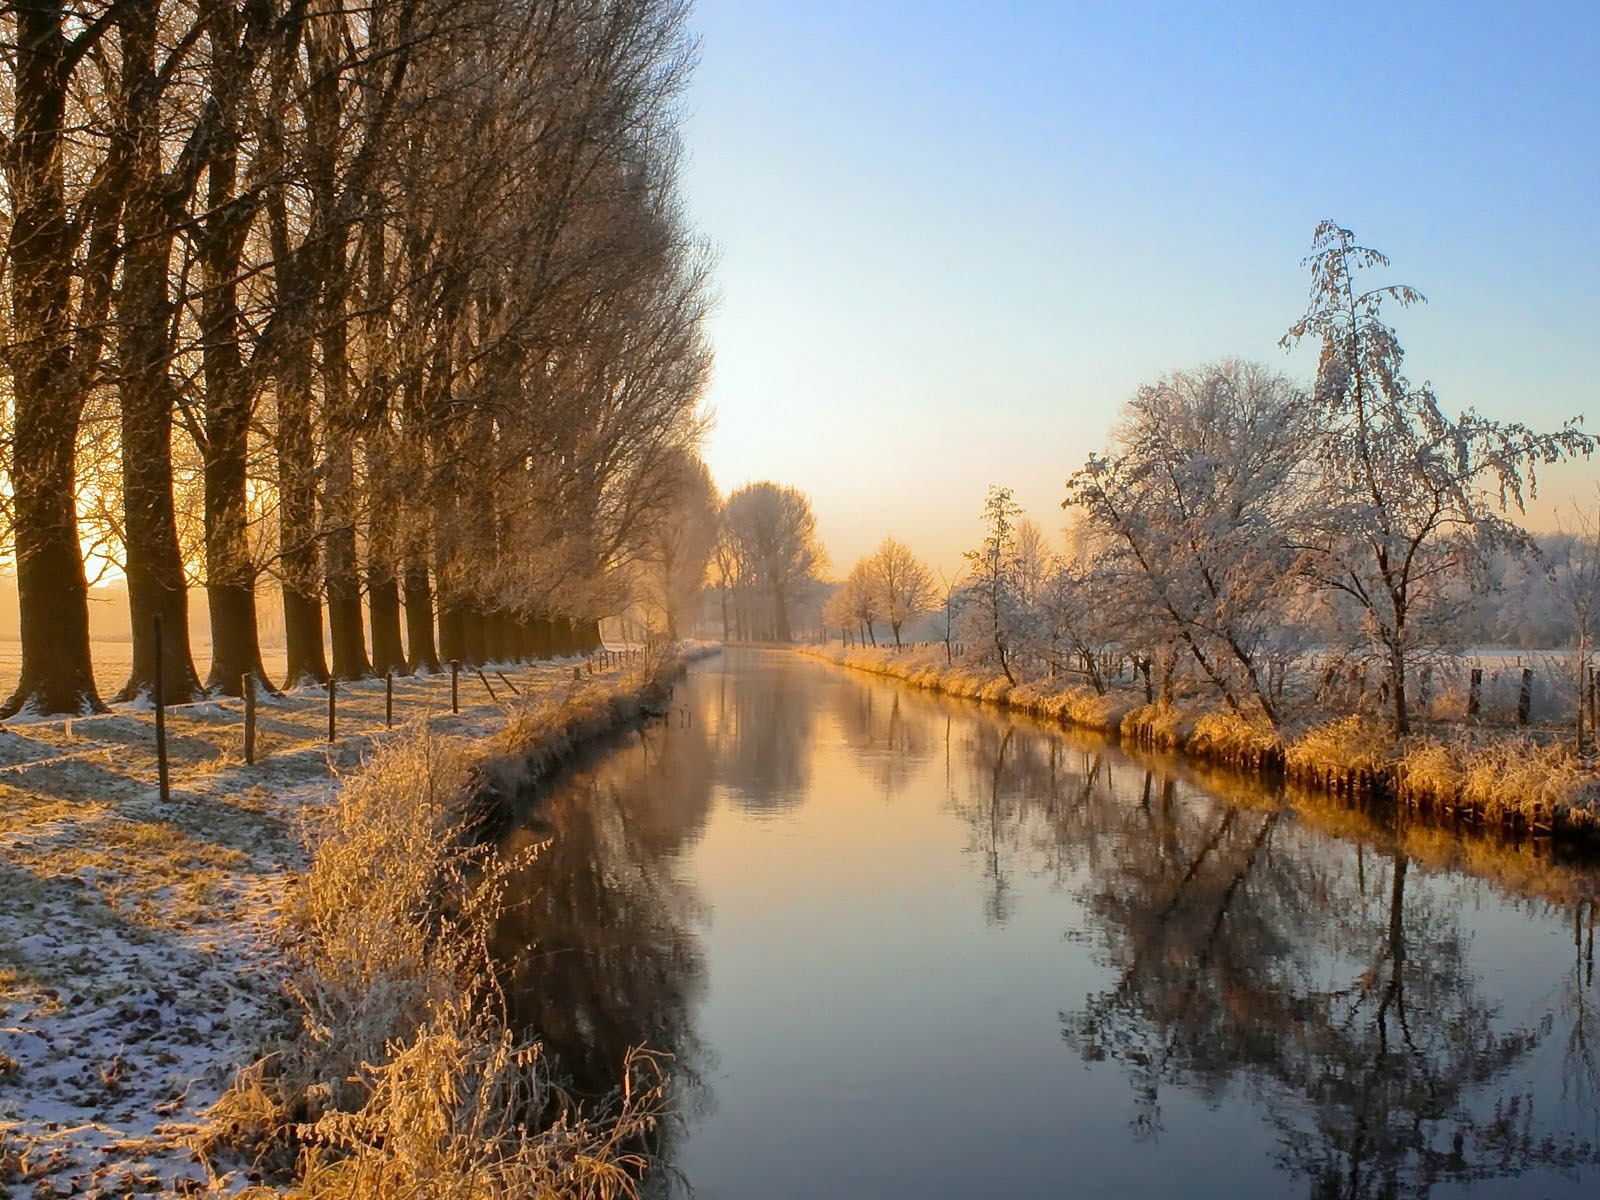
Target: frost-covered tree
1409 499
903 584
1573 562
775 537
1193 499
857 602
1082 611
679 543
993 596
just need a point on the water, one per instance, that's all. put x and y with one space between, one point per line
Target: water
908 947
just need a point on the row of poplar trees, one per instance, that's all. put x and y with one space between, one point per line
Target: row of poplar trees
387 306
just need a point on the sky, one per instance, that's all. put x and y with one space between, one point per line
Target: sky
953 238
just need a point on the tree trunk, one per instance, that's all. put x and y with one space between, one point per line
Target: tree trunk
543 638
48 391
562 643
146 395
230 573
472 634
340 565
1401 718
588 633
383 600
780 605
452 631
297 519
423 655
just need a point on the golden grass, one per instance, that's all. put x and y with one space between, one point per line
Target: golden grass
1230 737
1511 780
1349 745
402 1078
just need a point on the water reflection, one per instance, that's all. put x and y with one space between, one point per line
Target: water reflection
1384 1004
597 948
762 721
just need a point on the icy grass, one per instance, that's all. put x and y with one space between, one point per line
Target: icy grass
402 1078
1516 781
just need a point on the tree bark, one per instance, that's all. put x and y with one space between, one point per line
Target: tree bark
146 394
423 654
48 388
230 571
297 518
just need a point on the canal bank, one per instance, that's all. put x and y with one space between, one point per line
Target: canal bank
1512 783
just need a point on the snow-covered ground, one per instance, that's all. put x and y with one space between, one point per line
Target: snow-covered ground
138 964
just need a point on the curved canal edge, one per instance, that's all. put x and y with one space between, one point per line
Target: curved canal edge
394 1066
1506 784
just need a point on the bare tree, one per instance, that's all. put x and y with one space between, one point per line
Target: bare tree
1573 561
903 584
1205 469
993 593
775 532
1411 498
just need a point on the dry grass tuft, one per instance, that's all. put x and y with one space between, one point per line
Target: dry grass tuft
1350 745
1230 737
1159 726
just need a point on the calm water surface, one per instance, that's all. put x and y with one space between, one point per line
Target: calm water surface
908 947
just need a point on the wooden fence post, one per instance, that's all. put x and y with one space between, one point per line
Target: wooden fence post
1525 696
333 689
247 689
455 685
1475 692
484 679
158 694
388 699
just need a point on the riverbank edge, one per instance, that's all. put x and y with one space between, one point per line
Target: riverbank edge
357 1096
1510 784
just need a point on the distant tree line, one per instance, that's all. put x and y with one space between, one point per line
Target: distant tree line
391 306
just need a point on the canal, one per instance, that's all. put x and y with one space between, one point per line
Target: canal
901 946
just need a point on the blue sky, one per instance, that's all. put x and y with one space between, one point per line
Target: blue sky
954 238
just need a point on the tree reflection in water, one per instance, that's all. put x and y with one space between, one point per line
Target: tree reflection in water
762 722
1336 996
1259 961
597 949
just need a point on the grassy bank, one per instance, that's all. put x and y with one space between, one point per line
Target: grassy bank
1514 782
330 898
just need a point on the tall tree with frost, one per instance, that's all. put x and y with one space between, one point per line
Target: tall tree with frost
993 590
1413 497
857 602
61 251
